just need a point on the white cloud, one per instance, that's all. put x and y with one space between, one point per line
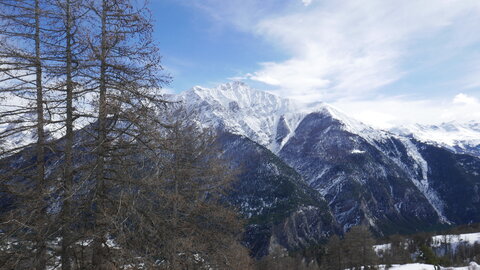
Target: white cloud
393 111
347 52
307 2
346 48
240 78
242 14
463 99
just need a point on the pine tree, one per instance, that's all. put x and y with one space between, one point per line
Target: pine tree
66 50
124 73
359 247
22 89
335 254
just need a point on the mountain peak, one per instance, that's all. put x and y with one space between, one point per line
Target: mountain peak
266 118
245 111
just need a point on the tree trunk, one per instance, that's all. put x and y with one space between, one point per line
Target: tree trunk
98 256
69 141
40 260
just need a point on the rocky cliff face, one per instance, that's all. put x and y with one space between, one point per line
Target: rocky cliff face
456 180
280 207
384 179
360 180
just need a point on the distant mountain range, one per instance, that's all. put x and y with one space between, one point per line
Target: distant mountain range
458 137
269 119
402 180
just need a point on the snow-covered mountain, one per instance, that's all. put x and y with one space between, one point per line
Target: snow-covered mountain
266 118
389 180
271 120
459 137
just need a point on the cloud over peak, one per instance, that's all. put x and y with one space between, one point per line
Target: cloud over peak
401 60
307 2
355 47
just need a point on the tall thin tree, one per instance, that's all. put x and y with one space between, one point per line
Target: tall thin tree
66 57
21 73
124 69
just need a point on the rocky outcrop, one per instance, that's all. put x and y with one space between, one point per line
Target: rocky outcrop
360 180
281 208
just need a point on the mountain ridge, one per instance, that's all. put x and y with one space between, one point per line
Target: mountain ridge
333 152
456 136
255 114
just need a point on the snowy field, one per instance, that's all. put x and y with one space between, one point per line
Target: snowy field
421 266
455 239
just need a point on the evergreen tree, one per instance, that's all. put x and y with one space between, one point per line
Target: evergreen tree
359 247
335 254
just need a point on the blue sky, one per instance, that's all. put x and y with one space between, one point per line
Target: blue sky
384 62
198 50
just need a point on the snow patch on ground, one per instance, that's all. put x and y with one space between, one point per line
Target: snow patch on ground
382 247
421 266
456 239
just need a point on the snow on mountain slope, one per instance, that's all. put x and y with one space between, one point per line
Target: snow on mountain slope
258 115
459 137
272 121
263 117
352 125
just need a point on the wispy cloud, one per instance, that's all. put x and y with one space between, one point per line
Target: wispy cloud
307 2
242 14
348 48
401 110
349 52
